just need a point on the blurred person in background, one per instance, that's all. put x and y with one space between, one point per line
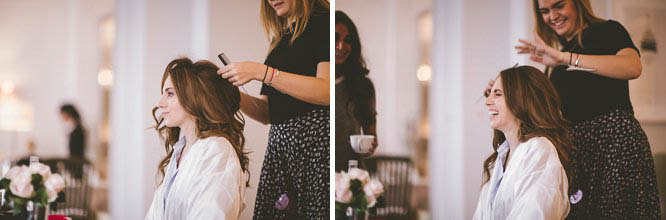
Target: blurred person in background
76 133
354 94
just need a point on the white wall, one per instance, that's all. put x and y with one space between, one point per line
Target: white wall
129 181
50 50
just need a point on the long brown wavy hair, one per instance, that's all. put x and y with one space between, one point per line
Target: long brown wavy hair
585 17
211 100
276 26
533 100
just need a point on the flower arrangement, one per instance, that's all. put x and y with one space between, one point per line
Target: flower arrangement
33 183
356 190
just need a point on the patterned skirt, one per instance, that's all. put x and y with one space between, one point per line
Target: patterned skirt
614 170
296 169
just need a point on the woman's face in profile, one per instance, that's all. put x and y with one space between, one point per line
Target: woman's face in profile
342 43
173 113
501 117
282 7
560 15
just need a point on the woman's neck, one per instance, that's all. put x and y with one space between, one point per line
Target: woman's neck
290 20
572 35
187 130
511 135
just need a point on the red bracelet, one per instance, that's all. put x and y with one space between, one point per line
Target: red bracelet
272 74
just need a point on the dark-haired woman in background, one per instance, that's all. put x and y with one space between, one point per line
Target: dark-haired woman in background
77 134
354 93
614 170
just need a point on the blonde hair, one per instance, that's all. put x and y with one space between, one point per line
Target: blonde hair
275 26
585 17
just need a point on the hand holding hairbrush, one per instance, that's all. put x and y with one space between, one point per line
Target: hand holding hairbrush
225 61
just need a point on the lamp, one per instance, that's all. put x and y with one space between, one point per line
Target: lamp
15 116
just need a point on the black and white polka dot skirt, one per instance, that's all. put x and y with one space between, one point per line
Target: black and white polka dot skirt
295 172
614 170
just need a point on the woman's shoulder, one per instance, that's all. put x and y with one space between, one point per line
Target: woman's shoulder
540 146
607 26
538 154
320 19
320 14
610 23
215 145
217 151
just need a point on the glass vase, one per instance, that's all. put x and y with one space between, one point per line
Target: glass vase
357 214
36 212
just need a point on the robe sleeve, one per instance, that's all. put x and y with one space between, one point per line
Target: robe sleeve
478 214
542 191
151 215
216 191
539 201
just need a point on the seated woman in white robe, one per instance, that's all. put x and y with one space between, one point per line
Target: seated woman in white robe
526 176
202 128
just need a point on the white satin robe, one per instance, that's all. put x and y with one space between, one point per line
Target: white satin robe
534 185
209 184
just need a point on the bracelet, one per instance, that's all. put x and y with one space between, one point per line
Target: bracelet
267 79
270 82
276 75
577 59
570 56
265 72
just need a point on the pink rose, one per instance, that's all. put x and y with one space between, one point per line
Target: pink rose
54 184
342 192
16 171
41 169
375 187
372 190
359 174
20 184
372 200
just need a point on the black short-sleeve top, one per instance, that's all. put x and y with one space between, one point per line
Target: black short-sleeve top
301 57
586 95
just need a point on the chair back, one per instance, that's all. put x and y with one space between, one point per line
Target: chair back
76 173
394 173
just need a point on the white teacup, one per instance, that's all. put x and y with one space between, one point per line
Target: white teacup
361 143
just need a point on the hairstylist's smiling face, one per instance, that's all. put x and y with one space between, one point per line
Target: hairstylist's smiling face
560 15
500 117
173 113
282 7
342 43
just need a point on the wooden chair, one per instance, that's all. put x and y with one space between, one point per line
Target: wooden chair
394 173
76 173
